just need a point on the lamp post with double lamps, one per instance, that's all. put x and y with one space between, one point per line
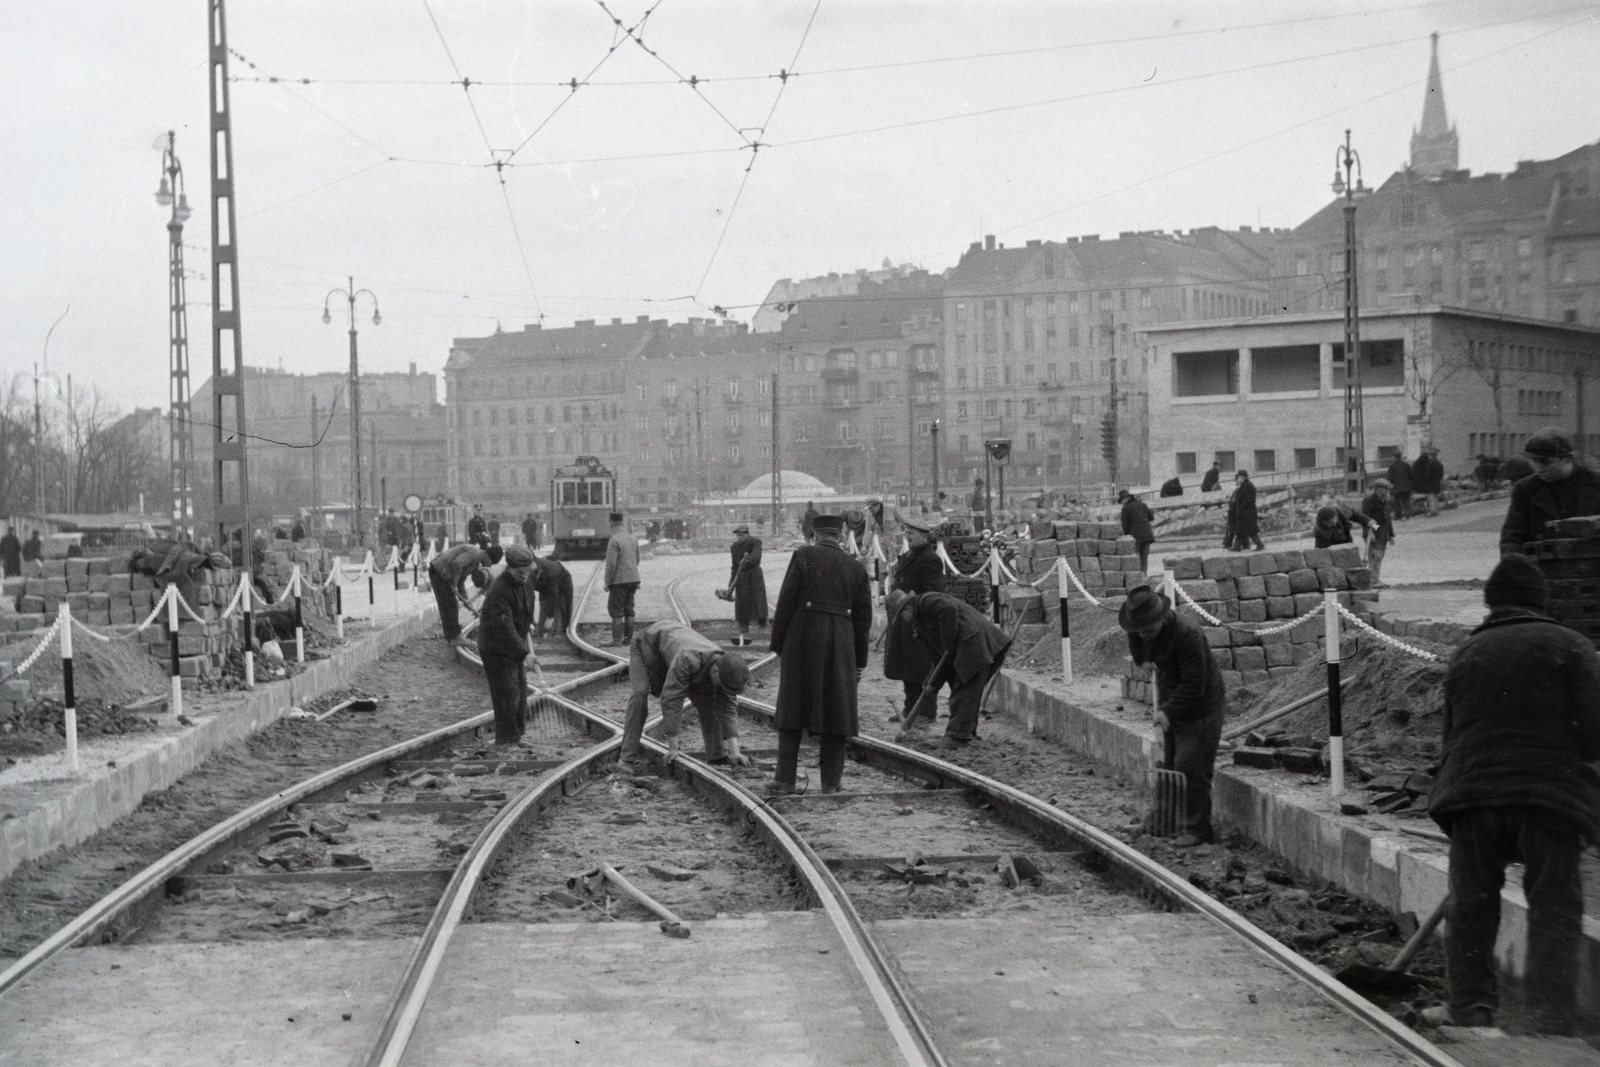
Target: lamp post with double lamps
350 294
180 442
1347 181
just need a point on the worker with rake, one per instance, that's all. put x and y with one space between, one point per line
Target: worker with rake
1192 699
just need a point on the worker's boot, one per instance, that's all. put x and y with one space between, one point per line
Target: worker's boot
616 631
627 628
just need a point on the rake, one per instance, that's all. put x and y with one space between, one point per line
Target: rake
1169 802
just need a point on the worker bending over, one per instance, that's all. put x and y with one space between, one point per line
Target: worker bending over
448 575
504 644
968 650
671 661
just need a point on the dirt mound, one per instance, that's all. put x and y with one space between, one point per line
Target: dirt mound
1099 646
106 677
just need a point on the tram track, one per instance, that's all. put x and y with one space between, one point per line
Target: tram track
987 817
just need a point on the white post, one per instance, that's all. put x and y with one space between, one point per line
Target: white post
248 604
299 620
1066 625
1330 603
69 698
338 598
171 595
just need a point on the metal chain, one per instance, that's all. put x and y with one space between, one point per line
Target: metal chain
1183 594
44 643
1393 642
1090 597
161 602
83 628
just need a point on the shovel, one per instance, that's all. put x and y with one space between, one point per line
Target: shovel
1393 978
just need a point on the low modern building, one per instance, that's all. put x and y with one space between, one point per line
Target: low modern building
1268 394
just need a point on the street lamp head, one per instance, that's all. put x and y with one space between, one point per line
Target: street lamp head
1361 189
327 316
182 212
1338 182
377 319
164 193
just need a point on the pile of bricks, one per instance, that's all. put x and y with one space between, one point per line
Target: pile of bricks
1104 559
1258 592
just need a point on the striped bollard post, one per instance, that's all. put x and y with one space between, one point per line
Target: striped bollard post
68 697
1066 624
1330 605
994 583
247 602
372 598
299 619
338 603
171 596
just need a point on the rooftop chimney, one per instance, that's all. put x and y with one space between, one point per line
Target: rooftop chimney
616 322
988 242
642 320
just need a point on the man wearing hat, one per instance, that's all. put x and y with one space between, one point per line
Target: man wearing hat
1192 699
1379 507
747 583
1521 721
477 529
448 574
503 643
968 650
1558 488
819 631
672 661
918 570
808 521
1427 478
553 582
622 578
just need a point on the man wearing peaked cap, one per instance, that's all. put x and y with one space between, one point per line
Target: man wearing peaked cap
621 578
917 570
1521 721
1558 488
747 584
1192 699
504 645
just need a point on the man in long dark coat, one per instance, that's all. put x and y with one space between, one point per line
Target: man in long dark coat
1242 518
503 643
808 520
1427 478
748 584
448 574
553 582
530 532
1138 521
819 631
918 570
968 650
477 528
1193 700
11 553
1399 475
32 548
1558 488
1521 721
1213 477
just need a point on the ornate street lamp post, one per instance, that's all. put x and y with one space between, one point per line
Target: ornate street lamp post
1350 185
180 441
350 295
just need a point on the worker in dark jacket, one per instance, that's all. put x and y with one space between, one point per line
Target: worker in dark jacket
808 521
1213 477
621 578
504 646
1172 487
1380 509
1192 699
1399 475
967 650
819 631
1521 721
1427 478
1244 525
670 660
1137 519
1333 523
477 528
10 554
1557 489
918 570
747 583
448 574
553 582
32 548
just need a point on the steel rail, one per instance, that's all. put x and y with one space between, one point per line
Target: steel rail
105 912
1031 810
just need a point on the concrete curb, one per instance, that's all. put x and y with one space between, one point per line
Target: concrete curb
1315 840
109 793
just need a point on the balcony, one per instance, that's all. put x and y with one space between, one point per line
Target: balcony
837 446
838 372
930 369
1052 387
1055 420
841 403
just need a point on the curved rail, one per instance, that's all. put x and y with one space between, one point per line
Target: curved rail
105 912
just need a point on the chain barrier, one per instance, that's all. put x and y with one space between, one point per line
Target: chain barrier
1090 597
102 638
161 602
1183 595
44 643
184 604
138 628
1387 639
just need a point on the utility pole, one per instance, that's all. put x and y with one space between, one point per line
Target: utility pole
372 435
777 468
230 468
357 527
38 446
1110 424
1351 186
933 432
316 468
180 441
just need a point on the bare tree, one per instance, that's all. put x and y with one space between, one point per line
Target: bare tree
16 450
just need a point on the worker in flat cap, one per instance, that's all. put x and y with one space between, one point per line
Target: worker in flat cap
448 574
917 570
1559 488
622 578
747 584
505 646
672 661
967 650
1521 722
819 631
1193 701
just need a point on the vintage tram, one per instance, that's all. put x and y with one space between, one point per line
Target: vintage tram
582 497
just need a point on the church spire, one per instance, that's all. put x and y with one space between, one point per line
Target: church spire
1435 148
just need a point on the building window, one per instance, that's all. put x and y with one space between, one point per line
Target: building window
1305 458
991 408
844 431
1032 443
961 410
733 452
1266 459
733 389
961 443
1223 458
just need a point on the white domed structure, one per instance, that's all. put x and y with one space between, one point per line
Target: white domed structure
796 486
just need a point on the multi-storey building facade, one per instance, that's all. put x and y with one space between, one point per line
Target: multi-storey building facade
1035 337
299 445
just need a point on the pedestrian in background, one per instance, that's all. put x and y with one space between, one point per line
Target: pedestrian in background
670 660
819 632
1193 701
747 584
808 522
1213 478
504 644
1521 721
1427 478
1399 475
494 529
530 532
621 578
1379 506
1244 524
967 650
477 528
10 554
448 574
1137 522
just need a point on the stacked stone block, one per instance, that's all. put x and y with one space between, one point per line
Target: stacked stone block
1104 559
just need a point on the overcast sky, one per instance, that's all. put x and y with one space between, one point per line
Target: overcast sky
906 131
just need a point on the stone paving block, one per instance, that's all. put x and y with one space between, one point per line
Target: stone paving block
1359 577
1277 584
1185 567
1303 581
1218 636
1251 587
1249 659
1278 655
1290 561
1216 567
1126 546
1262 562
1345 556
1304 602
1280 607
1331 578
1201 589
1227 589
1252 610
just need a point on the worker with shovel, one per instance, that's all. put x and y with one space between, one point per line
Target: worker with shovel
968 651
671 660
1192 698
1521 721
